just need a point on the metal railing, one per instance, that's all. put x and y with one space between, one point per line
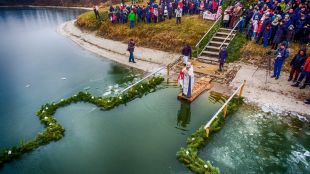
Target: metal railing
198 51
224 108
218 19
153 73
230 35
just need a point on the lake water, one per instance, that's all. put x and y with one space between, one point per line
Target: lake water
252 141
38 65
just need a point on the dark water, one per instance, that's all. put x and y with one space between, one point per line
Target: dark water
37 65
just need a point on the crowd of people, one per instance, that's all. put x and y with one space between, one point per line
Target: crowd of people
157 12
275 21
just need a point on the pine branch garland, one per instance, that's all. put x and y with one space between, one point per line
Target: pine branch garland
54 131
189 155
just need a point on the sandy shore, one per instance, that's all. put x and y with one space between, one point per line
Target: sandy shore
276 96
147 59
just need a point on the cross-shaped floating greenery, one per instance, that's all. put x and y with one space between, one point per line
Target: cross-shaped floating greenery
54 131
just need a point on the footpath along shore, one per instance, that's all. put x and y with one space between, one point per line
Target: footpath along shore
147 59
276 96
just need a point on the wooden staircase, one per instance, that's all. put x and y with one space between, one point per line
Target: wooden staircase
210 53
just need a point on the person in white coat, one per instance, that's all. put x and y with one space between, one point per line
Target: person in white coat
188 82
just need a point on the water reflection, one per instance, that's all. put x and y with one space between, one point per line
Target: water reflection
126 74
184 114
216 97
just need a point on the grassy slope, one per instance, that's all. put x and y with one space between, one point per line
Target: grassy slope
166 36
235 47
252 52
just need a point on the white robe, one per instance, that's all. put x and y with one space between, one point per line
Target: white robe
188 82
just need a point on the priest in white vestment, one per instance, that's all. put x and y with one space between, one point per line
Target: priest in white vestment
188 81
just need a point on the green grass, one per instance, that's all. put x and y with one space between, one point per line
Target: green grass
206 39
251 52
165 36
235 46
88 21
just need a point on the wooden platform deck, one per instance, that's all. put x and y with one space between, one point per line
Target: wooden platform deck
200 86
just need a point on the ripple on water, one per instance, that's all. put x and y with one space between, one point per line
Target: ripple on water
253 141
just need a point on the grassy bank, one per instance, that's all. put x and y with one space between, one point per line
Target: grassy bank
235 46
165 36
255 54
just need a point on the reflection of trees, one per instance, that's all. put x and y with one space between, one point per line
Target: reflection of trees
184 114
216 97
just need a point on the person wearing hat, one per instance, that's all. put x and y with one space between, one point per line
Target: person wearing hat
281 54
287 21
188 80
290 33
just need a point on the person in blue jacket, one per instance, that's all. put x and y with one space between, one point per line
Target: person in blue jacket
266 22
266 36
281 54
222 57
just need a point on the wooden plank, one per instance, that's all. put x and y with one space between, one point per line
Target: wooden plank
200 86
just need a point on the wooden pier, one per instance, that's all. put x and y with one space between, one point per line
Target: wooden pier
200 86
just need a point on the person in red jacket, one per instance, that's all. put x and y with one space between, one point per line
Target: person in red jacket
305 74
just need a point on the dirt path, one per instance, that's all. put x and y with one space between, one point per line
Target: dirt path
147 59
274 95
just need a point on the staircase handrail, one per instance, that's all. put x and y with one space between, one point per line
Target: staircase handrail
229 35
218 19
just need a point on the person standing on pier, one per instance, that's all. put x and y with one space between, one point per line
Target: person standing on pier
131 48
188 81
187 53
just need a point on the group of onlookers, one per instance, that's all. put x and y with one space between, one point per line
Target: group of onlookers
275 21
165 9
